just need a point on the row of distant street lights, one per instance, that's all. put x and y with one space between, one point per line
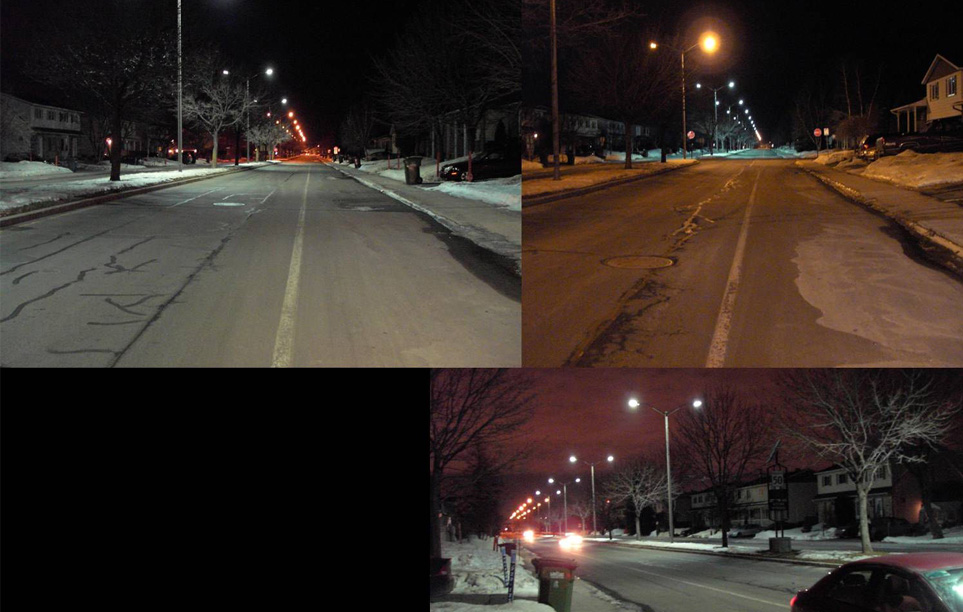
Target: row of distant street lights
247 93
525 509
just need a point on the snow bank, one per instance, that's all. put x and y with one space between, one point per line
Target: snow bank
504 192
918 170
28 169
478 570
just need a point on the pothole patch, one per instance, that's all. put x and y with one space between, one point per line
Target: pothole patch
638 262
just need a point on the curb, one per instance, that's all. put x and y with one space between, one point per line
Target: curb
942 250
43 209
752 557
568 193
507 262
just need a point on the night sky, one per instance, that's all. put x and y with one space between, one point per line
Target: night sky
771 48
321 52
585 412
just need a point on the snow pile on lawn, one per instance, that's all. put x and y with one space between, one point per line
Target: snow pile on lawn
818 532
505 192
478 570
501 192
951 535
27 169
519 605
918 170
53 192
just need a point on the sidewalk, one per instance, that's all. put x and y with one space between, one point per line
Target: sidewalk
493 228
936 225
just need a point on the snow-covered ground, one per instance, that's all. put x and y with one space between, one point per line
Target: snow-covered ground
505 192
952 535
908 169
478 570
17 196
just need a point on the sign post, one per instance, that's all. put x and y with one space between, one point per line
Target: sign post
778 493
817 133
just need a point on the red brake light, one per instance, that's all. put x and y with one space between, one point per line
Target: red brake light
792 601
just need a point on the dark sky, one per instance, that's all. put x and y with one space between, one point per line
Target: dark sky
770 48
321 52
585 412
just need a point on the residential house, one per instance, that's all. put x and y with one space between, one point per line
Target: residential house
750 502
35 130
894 493
943 98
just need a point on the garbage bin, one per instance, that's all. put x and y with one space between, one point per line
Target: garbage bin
440 578
412 170
555 582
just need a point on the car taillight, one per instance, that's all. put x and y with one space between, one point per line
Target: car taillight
792 602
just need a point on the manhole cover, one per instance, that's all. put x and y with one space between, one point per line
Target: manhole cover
644 262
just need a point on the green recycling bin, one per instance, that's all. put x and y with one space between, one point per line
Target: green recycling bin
556 579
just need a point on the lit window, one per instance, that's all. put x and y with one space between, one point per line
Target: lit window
951 86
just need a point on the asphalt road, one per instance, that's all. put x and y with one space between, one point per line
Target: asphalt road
286 265
664 581
766 267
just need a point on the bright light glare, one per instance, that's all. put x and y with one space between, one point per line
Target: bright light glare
269 71
696 403
572 459
529 535
710 43
652 45
634 403
571 541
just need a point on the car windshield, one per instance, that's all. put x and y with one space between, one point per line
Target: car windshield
948 583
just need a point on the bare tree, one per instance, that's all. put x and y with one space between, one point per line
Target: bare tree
722 443
582 509
469 408
641 482
622 78
114 58
213 100
865 420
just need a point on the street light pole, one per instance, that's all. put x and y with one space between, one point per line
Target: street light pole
564 500
610 459
668 468
180 95
708 43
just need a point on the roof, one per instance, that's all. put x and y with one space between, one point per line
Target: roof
939 63
923 561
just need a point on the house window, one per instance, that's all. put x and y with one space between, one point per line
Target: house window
51 115
841 479
37 113
827 481
951 86
935 91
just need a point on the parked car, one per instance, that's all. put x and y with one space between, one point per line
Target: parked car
939 138
745 531
866 149
914 581
490 164
879 528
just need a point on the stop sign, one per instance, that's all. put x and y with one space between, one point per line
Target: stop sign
817 132
691 134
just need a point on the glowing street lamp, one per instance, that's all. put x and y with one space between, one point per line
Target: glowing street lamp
634 403
709 43
610 459
564 498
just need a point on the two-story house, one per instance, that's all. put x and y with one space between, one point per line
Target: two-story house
893 493
749 504
38 131
943 98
